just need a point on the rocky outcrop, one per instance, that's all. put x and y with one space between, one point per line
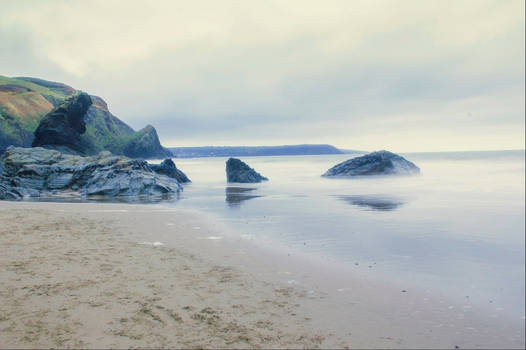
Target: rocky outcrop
168 168
104 130
145 144
376 163
65 124
237 171
25 101
41 172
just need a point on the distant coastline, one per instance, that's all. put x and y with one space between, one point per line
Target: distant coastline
314 149
252 151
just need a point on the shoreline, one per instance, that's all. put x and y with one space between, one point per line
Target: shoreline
203 288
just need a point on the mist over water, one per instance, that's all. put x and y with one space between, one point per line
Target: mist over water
458 227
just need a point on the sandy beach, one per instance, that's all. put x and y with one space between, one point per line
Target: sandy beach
86 275
70 279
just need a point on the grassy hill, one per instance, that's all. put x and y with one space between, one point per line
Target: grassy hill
24 101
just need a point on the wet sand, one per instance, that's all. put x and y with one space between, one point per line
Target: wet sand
114 276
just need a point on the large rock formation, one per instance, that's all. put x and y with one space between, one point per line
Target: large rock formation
168 168
145 144
25 101
376 163
40 172
64 125
237 171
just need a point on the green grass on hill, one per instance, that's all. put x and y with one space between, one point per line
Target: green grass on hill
44 91
24 101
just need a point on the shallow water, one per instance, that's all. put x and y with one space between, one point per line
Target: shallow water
457 228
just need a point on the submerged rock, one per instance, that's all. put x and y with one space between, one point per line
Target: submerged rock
40 172
64 125
168 168
376 163
237 171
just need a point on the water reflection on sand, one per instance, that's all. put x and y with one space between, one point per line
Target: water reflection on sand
140 199
372 202
234 196
458 229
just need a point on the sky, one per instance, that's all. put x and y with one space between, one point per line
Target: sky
399 75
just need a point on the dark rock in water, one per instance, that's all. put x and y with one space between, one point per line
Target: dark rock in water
237 171
65 124
168 168
145 144
376 163
40 172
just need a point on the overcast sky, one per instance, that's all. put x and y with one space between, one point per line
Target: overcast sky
398 75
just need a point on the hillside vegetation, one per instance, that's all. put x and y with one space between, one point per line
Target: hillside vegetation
24 101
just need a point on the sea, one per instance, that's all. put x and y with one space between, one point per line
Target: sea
458 227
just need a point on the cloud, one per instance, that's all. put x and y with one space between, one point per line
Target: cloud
271 71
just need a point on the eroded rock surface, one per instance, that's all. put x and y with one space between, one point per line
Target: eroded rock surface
65 124
145 144
40 172
168 168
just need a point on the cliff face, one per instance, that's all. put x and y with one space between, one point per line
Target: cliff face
65 124
145 144
25 101
104 128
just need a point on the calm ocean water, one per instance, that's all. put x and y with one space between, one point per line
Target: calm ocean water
458 227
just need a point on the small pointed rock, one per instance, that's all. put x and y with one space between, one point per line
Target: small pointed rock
238 171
